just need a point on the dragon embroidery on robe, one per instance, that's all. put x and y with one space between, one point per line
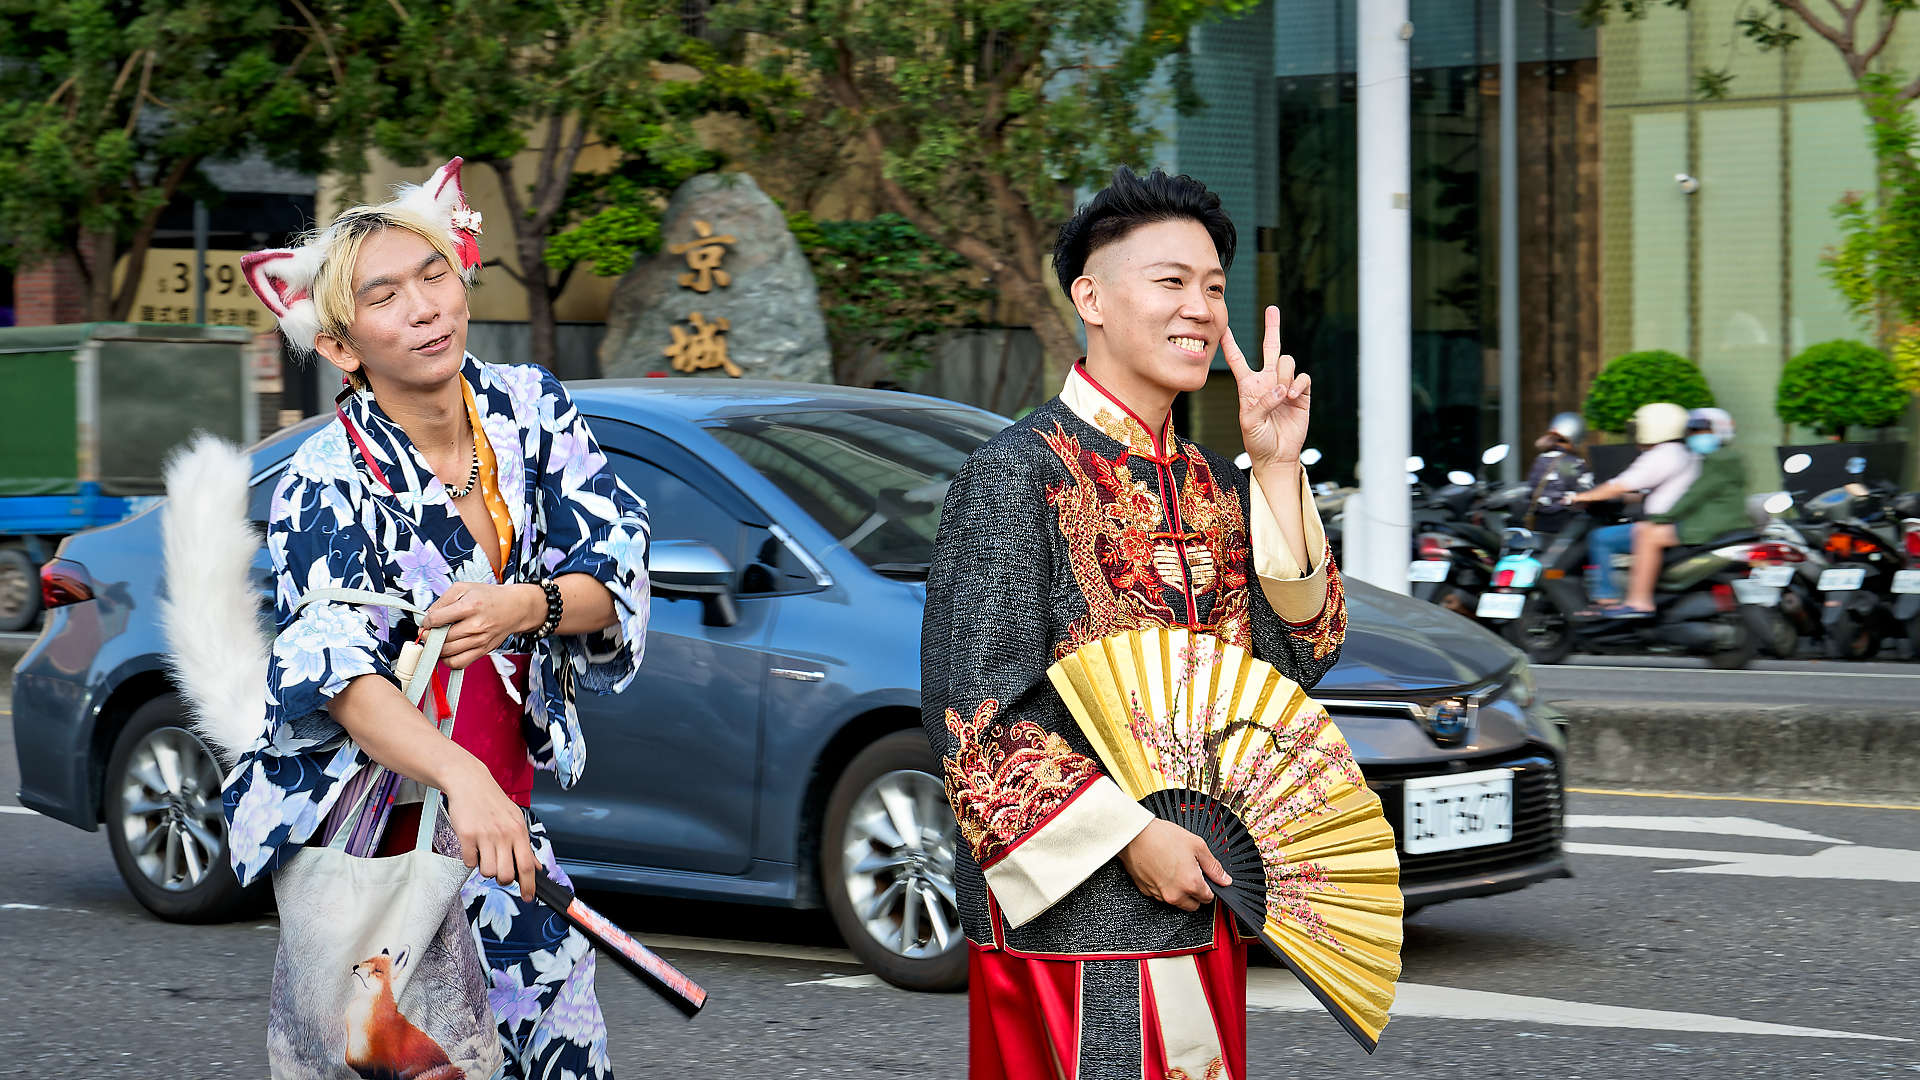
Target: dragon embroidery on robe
1127 556
1005 781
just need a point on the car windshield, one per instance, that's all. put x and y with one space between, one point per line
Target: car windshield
874 478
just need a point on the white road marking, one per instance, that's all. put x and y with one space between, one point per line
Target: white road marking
1715 826
43 907
814 953
1849 863
1277 991
16 810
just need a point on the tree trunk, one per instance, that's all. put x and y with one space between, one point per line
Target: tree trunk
540 320
97 256
1059 337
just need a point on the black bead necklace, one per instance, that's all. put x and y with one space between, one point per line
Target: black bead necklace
473 477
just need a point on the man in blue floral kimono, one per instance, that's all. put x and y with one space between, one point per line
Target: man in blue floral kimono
477 492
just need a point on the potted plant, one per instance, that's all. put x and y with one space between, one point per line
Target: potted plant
1830 388
1628 382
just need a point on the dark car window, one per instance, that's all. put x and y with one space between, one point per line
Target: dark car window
874 478
678 510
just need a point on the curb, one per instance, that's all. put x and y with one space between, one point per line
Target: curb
1805 750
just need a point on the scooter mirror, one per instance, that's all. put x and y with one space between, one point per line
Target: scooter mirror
1245 461
1778 503
1416 463
1796 464
1494 455
1461 477
1309 457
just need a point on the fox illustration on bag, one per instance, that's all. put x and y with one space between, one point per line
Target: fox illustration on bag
382 1044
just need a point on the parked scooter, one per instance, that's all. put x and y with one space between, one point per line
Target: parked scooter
1785 563
1539 598
1454 543
1857 590
1906 583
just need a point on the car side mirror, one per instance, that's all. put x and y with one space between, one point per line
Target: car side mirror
694 570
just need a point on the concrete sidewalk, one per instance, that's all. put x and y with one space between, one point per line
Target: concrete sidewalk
1839 752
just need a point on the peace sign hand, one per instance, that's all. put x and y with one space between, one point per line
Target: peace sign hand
1274 401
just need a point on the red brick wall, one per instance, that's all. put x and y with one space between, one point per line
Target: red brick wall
53 292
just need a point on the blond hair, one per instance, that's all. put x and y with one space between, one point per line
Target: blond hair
333 299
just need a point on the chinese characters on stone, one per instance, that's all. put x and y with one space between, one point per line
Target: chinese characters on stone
702 347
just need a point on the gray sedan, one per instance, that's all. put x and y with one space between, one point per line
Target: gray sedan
770 750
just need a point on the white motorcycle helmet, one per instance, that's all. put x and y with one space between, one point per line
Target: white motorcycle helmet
1659 422
1718 421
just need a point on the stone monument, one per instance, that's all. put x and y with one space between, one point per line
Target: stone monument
729 294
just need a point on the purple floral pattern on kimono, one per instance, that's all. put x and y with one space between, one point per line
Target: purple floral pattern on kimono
332 524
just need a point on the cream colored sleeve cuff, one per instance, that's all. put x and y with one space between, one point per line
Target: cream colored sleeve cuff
1054 859
1298 594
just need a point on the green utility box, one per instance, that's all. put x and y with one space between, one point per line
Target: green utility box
102 403
88 414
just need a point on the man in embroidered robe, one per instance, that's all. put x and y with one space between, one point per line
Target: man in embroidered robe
1096 950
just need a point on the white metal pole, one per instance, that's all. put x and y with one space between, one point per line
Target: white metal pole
1386 296
1509 249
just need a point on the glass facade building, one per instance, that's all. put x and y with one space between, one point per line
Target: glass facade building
1277 139
1730 274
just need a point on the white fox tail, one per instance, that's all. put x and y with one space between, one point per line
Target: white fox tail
217 647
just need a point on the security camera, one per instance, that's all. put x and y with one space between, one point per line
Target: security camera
1688 185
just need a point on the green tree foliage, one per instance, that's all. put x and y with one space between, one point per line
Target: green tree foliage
108 108
885 287
1840 384
491 80
1640 378
1877 264
985 116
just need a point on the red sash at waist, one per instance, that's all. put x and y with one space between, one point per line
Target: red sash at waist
487 722
487 725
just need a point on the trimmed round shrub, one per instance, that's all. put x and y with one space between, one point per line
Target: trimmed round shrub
1640 378
1836 385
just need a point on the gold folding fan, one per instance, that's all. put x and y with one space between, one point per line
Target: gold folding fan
1218 742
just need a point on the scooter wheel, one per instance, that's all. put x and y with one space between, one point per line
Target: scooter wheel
1849 638
1542 631
1746 645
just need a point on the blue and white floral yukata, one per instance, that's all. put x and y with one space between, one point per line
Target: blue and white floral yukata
333 524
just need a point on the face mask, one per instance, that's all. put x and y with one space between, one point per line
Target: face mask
1703 443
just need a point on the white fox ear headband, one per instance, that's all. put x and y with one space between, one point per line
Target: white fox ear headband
283 277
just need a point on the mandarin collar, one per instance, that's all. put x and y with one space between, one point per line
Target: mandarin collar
1099 407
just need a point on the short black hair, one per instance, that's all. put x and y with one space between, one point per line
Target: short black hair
1131 201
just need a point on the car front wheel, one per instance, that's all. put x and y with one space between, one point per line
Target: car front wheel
164 823
886 865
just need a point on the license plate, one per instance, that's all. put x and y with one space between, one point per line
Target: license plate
1906 581
1428 570
1773 577
1445 813
1842 579
1501 605
1752 591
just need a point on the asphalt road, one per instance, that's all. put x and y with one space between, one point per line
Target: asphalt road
1717 938
1773 682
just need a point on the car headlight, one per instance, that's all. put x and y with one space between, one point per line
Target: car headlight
1520 685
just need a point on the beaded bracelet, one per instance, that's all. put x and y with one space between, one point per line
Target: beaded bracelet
554 607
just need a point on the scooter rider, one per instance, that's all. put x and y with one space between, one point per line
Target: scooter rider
1557 473
1714 504
1664 470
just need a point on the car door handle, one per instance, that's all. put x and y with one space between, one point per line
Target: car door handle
796 675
